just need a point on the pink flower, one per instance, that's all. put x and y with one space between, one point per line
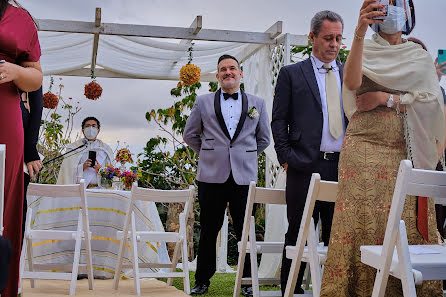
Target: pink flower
344 46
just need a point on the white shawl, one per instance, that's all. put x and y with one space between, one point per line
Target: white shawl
408 68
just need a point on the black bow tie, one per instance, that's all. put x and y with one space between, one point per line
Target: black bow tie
233 96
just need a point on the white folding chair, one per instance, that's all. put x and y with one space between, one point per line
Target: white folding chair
82 233
180 238
249 244
314 253
394 257
2 183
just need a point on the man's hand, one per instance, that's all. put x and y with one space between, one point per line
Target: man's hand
97 166
87 164
371 100
34 167
440 68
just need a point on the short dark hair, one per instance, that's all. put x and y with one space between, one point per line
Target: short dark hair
321 16
224 57
90 119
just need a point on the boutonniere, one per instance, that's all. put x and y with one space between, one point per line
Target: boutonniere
253 113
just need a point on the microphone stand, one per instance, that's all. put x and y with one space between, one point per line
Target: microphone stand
60 156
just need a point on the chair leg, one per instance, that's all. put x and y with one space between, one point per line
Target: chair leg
176 255
185 267
28 249
77 254
253 258
315 267
87 238
134 246
407 279
24 248
122 246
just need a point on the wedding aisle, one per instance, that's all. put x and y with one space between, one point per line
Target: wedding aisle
149 288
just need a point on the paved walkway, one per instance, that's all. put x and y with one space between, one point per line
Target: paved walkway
56 288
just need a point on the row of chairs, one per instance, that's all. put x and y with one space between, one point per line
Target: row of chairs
128 235
392 258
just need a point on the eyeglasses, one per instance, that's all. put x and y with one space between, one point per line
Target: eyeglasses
323 70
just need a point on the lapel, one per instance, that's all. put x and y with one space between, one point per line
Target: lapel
242 116
307 68
217 107
341 71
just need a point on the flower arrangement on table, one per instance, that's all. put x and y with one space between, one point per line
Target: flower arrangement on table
128 178
107 174
123 156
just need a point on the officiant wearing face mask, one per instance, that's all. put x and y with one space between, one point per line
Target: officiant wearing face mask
79 164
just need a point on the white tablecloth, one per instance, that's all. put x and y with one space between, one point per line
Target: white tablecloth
107 210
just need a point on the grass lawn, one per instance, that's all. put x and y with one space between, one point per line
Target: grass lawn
222 285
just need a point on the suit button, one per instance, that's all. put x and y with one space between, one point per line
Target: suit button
230 146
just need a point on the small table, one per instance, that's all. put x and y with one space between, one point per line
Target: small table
106 211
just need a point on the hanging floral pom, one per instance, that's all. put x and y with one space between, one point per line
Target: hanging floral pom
93 90
50 100
190 74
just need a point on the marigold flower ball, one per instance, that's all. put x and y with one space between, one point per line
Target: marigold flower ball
50 100
190 74
93 91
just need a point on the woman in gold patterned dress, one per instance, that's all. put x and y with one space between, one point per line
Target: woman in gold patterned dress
392 97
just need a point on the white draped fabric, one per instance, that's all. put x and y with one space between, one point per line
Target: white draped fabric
258 77
138 57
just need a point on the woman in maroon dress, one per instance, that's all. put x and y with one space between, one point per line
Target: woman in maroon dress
19 47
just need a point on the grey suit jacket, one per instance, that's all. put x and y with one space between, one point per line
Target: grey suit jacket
207 135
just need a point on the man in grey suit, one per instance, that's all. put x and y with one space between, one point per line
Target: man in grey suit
228 129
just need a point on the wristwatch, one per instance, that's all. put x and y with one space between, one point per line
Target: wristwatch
390 102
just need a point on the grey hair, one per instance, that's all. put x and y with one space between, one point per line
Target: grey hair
318 19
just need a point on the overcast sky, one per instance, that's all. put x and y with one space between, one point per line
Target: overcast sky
124 102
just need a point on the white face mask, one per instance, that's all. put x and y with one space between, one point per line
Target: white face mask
91 132
395 20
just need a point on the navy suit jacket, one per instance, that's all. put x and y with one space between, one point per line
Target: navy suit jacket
31 124
297 117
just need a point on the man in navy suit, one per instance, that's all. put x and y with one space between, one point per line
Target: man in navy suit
308 126
31 106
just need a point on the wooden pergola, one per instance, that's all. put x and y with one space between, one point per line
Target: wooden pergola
254 40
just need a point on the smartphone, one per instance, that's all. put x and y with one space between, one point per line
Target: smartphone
92 157
385 8
441 57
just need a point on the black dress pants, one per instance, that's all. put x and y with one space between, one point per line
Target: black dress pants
25 202
296 193
213 199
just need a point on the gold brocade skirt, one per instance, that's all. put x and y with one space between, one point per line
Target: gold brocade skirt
371 153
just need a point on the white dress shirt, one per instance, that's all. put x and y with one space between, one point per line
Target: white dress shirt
231 110
328 143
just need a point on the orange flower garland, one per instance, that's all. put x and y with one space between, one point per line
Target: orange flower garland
93 90
190 74
50 100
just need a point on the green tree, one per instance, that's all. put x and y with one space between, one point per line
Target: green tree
55 132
